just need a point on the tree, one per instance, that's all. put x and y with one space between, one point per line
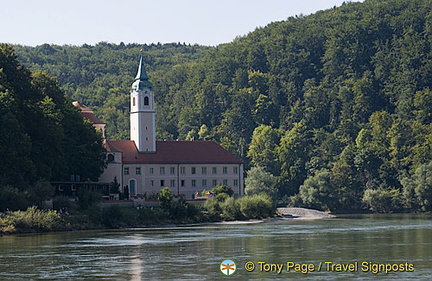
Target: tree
204 132
259 181
262 148
417 188
293 154
165 198
318 192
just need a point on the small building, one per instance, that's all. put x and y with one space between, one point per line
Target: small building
145 166
89 115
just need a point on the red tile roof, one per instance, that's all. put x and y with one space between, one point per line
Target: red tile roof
175 152
91 117
87 113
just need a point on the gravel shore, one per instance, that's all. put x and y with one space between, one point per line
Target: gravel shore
303 213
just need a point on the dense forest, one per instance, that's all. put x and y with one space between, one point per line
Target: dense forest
43 137
331 110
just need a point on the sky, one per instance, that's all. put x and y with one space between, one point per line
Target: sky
204 22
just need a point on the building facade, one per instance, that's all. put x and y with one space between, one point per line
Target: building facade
145 166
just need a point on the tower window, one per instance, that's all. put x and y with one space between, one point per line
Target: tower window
133 101
146 101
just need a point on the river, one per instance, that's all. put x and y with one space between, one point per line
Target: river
344 248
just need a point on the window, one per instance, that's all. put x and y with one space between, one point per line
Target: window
110 158
146 101
172 183
182 183
162 182
152 182
182 170
193 183
162 170
204 170
214 170
172 170
214 183
235 182
126 171
224 170
193 170
138 170
235 170
225 182
204 183
151 170
133 101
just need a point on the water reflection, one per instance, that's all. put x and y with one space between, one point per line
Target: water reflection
194 253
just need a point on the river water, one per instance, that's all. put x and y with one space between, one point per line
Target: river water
344 248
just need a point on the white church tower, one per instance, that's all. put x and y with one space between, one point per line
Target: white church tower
142 114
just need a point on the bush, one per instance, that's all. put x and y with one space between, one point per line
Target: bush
213 209
230 209
30 220
151 215
112 216
382 200
256 206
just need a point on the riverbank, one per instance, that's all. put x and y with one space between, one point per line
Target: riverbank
35 221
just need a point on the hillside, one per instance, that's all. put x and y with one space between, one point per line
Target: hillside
336 106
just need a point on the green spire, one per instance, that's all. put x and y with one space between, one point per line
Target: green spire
141 79
141 74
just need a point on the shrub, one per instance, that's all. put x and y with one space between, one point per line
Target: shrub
30 220
382 200
256 206
213 209
112 216
230 209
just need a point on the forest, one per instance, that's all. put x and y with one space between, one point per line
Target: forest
331 111
43 137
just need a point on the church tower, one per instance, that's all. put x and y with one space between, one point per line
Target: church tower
142 114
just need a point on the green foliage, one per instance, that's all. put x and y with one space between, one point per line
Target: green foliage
32 219
213 209
319 192
112 216
383 201
230 209
260 181
176 209
165 198
417 188
43 136
256 206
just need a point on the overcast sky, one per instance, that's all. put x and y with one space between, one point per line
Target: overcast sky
205 22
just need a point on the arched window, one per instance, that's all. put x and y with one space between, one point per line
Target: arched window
132 187
146 101
133 101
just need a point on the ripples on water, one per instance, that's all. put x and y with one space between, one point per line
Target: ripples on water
195 253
